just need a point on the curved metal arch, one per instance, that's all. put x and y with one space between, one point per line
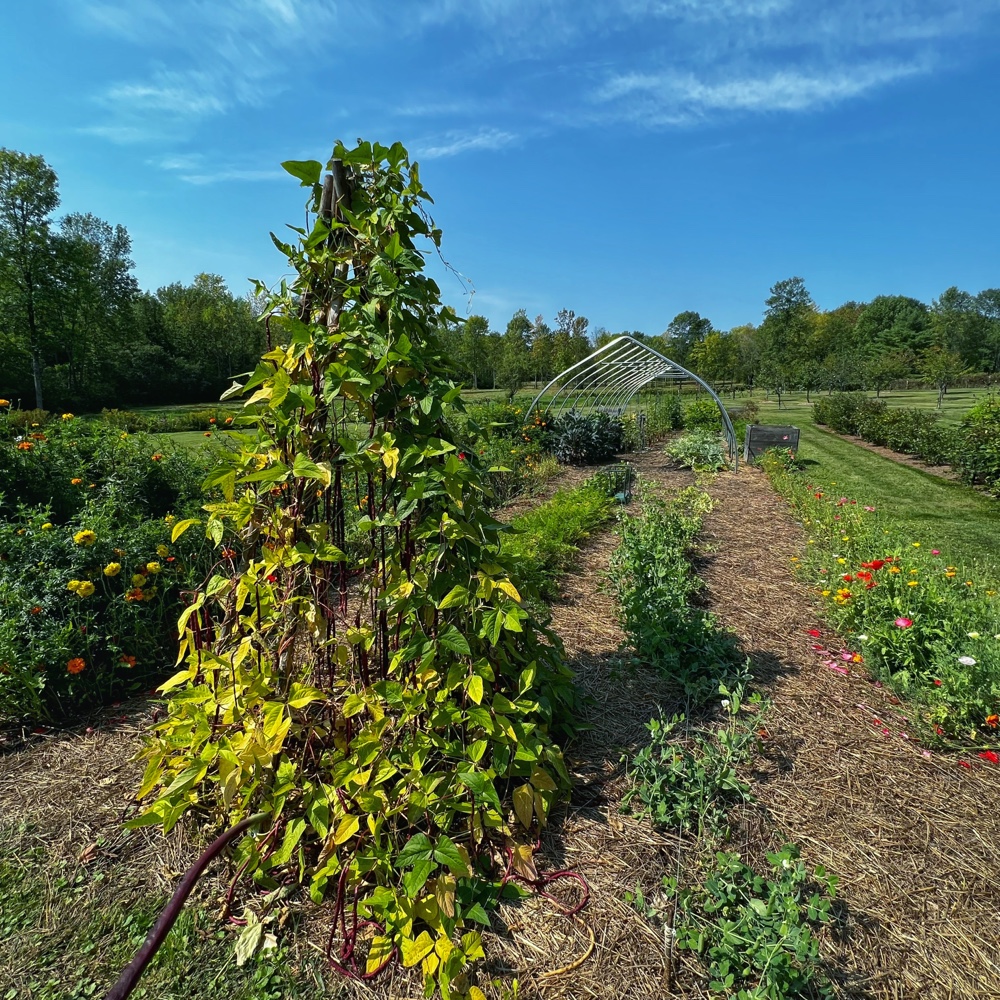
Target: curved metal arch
611 376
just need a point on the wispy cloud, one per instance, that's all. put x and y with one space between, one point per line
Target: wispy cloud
194 168
453 143
677 98
522 65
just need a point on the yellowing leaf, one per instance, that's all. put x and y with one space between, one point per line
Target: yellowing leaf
523 862
475 688
444 893
404 589
181 526
390 459
379 953
415 950
510 590
524 804
346 828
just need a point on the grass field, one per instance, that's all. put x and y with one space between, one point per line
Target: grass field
962 522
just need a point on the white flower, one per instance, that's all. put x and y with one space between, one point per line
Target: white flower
972 635
862 638
725 703
786 864
967 661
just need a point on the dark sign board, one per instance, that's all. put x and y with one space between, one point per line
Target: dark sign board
760 437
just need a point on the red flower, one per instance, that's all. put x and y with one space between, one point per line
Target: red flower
964 763
461 456
990 756
847 578
814 632
937 683
271 578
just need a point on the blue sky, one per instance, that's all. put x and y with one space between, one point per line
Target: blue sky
628 159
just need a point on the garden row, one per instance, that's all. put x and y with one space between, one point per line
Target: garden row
923 626
972 449
753 931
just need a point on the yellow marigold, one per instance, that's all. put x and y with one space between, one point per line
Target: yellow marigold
138 580
76 481
112 569
72 586
85 537
825 593
149 594
85 589
169 519
912 583
48 526
4 402
67 416
153 567
895 569
162 551
950 575
76 665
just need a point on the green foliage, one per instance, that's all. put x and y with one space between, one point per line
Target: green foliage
701 450
977 449
84 622
703 414
585 438
376 700
66 462
654 581
546 539
920 624
687 779
972 448
756 934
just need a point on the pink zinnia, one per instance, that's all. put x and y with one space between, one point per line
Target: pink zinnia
903 623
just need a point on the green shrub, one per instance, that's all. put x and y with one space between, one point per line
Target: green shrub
586 438
977 451
703 414
70 462
701 450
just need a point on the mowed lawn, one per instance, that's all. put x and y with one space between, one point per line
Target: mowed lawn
960 521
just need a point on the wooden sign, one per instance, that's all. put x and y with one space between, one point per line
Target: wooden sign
760 437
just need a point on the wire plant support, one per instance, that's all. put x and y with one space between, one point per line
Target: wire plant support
609 378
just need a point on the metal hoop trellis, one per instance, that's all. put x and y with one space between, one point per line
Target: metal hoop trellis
609 378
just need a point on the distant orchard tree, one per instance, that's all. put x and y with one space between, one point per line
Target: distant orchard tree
942 368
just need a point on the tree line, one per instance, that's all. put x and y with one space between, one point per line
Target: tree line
797 345
77 332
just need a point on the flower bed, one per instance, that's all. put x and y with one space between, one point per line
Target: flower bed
927 627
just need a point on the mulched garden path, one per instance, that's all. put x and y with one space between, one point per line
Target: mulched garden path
915 839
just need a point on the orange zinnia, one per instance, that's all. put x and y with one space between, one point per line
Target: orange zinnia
76 665
993 721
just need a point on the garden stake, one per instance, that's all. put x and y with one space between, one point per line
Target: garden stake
129 978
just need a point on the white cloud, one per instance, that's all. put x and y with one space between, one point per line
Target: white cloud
455 142
674 97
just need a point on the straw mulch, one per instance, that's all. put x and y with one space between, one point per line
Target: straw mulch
915 841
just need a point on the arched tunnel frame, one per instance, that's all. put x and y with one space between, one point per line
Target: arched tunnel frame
609 378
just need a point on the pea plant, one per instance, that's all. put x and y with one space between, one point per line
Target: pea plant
389 704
